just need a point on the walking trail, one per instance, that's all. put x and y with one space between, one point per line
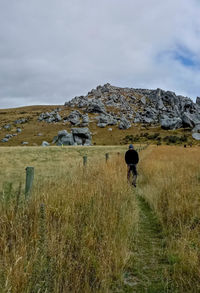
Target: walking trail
146 271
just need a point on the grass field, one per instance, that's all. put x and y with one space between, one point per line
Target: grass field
84 229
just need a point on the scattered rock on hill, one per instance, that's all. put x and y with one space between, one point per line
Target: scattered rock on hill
21 121
81 136
78 136
7 126
51 117
4 139
19 130
74 118
45 144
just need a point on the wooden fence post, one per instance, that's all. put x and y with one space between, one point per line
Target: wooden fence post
107 157
84 160
29 180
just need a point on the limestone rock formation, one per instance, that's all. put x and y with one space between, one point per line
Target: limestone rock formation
51 117
125 106
78 136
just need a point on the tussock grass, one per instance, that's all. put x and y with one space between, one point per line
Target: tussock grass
74 232
171 185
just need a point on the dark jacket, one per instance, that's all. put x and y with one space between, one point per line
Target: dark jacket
131 157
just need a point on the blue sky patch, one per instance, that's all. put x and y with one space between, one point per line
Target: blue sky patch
180 54
185 57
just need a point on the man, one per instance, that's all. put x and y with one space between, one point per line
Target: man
132 159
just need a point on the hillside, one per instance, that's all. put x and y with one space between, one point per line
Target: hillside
113 115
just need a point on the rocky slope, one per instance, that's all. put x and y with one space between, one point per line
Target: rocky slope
107 115
127 106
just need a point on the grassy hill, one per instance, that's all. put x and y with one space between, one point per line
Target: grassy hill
138 133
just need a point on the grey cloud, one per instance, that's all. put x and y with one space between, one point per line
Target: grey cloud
53 50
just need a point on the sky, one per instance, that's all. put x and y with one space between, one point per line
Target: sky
54 50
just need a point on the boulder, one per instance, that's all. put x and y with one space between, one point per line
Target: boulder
64 138
85 120
79 136
57 117
198 101
190 120
74 117
196 136
7 126
82 136
4 139
62 133
143 100
8 136
51 117
170 123
102 125
147 120
196 128
25 143
106 119
21 121
96 106
45 144
124 123
19 130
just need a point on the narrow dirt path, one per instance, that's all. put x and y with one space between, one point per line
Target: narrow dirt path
146 271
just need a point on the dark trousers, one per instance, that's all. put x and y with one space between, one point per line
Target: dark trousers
132 170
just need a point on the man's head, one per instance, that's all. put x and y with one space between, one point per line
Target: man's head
131 147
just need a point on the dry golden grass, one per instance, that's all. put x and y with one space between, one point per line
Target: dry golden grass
74 232
170 182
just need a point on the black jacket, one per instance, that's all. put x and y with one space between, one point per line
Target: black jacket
131 157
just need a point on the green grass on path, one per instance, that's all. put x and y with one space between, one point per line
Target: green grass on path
148 265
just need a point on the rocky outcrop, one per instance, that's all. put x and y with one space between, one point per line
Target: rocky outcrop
74 118
170 123
196 132
50 117
198 101
105 120
82 136
155 107
96 106
78 136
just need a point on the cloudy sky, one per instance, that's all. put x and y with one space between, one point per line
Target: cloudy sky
53 50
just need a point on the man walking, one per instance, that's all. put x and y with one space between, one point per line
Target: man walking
132 159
